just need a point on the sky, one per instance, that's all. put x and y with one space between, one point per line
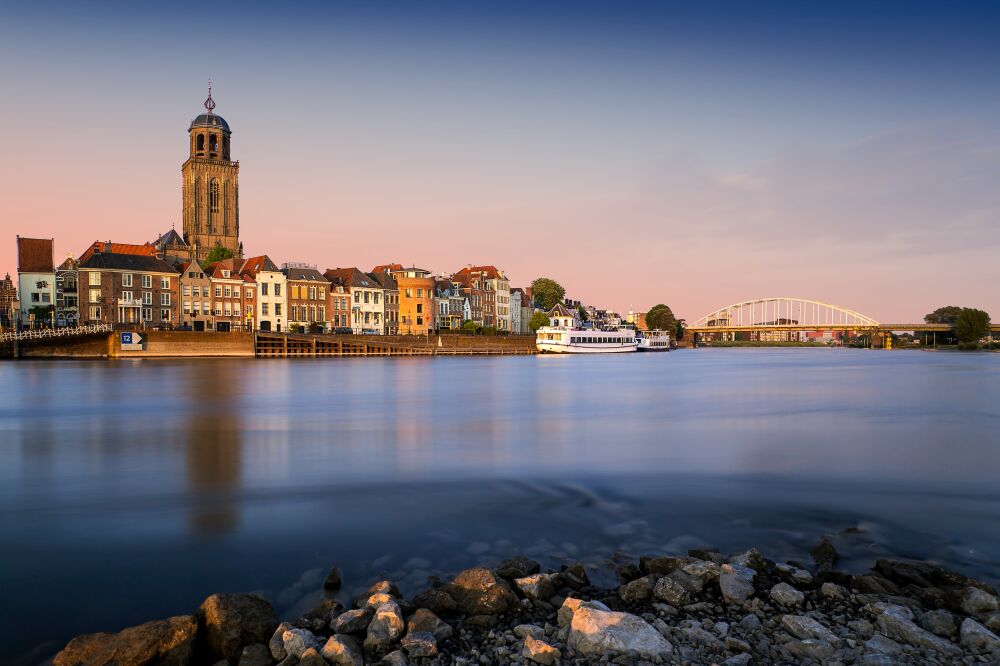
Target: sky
691 153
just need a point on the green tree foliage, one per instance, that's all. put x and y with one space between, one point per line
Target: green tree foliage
546 293
538 320
582 314
679 329
471 326
660 318
946 315
972 325
218 253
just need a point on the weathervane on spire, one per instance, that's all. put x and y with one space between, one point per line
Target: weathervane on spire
210 103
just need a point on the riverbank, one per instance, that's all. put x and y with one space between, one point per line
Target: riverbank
699 608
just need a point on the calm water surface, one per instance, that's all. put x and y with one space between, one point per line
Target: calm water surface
131 490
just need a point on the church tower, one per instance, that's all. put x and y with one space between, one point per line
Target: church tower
211 186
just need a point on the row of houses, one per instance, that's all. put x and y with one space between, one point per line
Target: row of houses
161 285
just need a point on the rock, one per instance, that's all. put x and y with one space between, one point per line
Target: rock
384 587
875 585
297 641
353 621
671 591
342 650
598 633
524 630
420 644
437 600
394 658
833 591
750 623
570 606
876 659
518 567
376 600
256 655
793 574
229 622
939 622
480 592
539 651
924 574
169 642
482 621
738 660
862 628
708 554
703 570
662 565
736 582
805 627
879 643
575 575
290 660
277 643
312 657
977 637
333 579
992 622
787 596
734 644
751 559
318 618
896 622
538 586
824 554
385 629
693 633
638 590
809 649
976 602
425 620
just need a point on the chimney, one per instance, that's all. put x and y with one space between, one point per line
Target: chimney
107 247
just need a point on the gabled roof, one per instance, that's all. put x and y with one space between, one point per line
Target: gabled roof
254 265
387 268
384 279
68 264
560 310
127 262
146 249
34 255
170 238
489 272
232 265
305 274
352 277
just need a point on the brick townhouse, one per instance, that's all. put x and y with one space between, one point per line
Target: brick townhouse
132 289
307 293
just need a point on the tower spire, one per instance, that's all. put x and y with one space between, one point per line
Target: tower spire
210 103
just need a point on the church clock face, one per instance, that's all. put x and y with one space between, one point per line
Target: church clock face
211 185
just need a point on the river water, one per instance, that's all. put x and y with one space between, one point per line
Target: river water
130 490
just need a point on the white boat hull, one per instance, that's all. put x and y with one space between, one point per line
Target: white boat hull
576 348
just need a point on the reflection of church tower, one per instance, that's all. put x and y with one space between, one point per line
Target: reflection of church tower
211 186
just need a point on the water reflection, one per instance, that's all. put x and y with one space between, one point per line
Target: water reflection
212 452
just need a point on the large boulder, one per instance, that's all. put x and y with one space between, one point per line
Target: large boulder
896 622
518 567
229 622
538 586
597 633
571 605
481 592
386 629
736 582
425 620
342 650
977 637
167 642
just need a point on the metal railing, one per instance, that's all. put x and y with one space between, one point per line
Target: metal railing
42 333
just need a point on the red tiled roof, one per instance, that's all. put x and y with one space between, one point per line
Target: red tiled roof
146 249
387 268
34 255
491 272
254 265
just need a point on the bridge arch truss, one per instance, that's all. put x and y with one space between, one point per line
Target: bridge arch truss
783 313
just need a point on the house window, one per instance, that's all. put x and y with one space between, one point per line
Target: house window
95 312
295 313
420 308
312 293
165 298
409 294
277 309
367 296
321 293
95 295
126 279
147 314
357 297
249 293
420 293
126 296
218 309
187 307
263 288
225 274
322 313
95 279
147 298
147 281
375 297
229 291
229 311
263 310
218 292
164 283
35 297
277 289
312 312
164 315
420 321
187 290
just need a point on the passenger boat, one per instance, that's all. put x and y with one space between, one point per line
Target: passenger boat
560 340
654 341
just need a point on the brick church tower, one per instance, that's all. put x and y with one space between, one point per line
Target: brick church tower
211 186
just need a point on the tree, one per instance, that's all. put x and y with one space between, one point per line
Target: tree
218 253
679 329
946 315
547 293
660 318
538 320
582 314
470 326
972 325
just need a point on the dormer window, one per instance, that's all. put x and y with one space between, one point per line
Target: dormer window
225 274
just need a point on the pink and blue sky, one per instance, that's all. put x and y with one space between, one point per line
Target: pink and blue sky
695 153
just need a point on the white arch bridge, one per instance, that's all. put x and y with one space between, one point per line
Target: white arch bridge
783 313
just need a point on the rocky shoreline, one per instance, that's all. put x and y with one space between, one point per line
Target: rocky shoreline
702 608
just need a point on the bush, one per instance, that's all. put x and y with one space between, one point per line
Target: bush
488 330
